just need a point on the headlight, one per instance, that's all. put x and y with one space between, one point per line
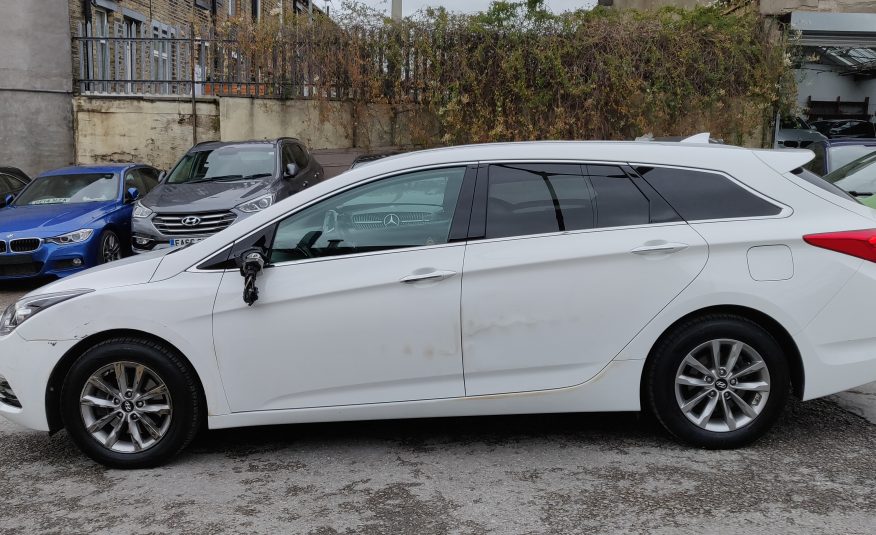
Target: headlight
72 237
141 211
258 204
29 307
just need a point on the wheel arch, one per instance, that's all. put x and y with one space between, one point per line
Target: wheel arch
776 329
59 372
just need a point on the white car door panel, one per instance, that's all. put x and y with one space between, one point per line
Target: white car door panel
360 303
551 310
342 331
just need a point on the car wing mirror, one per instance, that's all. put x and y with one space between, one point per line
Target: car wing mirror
162 175
132 194
291 170
251 262
7 200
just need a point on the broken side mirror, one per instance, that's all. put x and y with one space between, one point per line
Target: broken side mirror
251 262
291 170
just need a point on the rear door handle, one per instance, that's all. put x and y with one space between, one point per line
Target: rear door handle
659 248
437 275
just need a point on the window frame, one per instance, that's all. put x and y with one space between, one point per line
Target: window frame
477 230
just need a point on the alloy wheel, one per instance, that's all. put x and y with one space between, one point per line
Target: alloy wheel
722 385
111 249
126 407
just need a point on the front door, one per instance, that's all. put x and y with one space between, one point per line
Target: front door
360 303
575 261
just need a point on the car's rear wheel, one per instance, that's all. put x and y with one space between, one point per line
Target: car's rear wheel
718 381
110 247
131 403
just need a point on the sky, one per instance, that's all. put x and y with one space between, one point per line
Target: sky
411 6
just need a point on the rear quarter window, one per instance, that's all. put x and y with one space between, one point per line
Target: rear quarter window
702 195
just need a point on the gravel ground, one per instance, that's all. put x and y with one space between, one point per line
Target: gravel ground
815 473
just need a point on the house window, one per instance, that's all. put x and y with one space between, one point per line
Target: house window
231 7
203 4
256 10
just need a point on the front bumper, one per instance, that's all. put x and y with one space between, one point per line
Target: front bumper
50 260
27 366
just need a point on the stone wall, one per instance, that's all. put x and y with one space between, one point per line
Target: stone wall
159 130
779 7
35 85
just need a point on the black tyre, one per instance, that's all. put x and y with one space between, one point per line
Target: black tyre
720 403
131 403
110 247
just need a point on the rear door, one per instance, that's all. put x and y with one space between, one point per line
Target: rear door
574 261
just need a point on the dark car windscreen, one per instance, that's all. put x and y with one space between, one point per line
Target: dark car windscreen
232 162
70 189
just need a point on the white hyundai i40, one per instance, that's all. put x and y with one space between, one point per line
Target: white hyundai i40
705 283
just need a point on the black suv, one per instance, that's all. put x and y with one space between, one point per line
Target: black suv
218 183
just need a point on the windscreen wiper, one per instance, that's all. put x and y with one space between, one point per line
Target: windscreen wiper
861 193
215 179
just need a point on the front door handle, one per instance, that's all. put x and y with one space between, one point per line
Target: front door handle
651 248
437 275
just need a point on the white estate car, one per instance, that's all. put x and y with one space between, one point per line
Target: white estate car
703 282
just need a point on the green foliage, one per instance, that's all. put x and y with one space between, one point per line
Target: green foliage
519 72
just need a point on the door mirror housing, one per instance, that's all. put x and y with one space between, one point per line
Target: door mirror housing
251 262
7 200
162 175
291 170
131 195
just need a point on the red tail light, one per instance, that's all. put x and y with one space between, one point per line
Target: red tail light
858 243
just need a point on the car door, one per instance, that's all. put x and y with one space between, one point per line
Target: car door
574 261
359 302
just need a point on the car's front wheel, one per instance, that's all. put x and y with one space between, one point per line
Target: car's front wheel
718 381
110 247
131 403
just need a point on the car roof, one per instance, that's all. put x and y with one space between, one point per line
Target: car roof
852 141
212 145
96 168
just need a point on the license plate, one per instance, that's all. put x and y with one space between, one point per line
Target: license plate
179 242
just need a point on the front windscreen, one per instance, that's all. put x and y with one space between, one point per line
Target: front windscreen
858 176
70 189
233 162
845 154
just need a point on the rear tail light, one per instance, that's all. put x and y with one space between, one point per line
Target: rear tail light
858 243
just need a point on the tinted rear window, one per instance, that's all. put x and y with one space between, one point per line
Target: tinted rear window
618 201
701 195
537 199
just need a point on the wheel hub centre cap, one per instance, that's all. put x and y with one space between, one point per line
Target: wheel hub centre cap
127 406
721 384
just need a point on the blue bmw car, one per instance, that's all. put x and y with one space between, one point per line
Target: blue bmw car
71 219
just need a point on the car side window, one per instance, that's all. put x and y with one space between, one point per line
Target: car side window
618 201
409 210
702 195
149 179
300 155
133 180
526 199
288 157
8 184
